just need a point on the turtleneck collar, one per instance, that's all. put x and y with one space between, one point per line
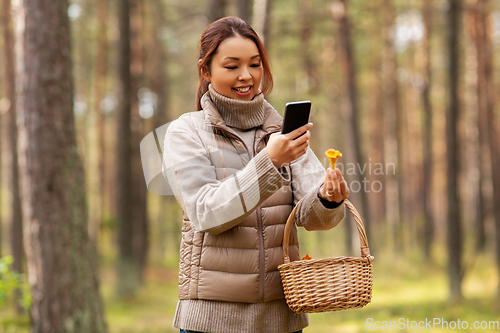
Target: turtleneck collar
236 113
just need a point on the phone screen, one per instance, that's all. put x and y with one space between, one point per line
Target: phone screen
296 115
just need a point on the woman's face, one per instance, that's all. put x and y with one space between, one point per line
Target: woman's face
236 69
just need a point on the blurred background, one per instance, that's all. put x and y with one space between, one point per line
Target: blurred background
407 90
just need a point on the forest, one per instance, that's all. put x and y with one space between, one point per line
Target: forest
405 89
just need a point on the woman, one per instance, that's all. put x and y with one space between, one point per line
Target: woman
237 178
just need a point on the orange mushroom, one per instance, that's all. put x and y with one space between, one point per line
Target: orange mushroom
333 154
307 257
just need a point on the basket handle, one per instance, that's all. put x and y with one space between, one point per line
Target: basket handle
363 240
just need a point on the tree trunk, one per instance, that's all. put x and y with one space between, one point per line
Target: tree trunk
486 25
401 170
244 9
413 151
376 128
139 217
15 218
160 87
392 142
354 145
260 21
427 131
479 31
454 227
216 10
99 87
61 259
306 51
128 271
159 79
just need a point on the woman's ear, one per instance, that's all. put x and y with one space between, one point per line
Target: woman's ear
204 72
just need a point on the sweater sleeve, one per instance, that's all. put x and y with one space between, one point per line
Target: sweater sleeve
212 205
307 176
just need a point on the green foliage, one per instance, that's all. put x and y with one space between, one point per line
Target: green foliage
10 281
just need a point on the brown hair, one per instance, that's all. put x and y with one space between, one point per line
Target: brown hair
210 40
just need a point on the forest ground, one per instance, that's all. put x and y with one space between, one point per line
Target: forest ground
405 290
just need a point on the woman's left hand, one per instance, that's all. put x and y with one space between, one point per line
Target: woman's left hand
335 187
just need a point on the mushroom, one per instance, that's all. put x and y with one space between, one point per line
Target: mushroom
333 154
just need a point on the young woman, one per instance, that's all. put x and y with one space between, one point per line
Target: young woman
237 178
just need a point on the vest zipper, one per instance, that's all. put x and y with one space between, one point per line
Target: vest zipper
259 221
261 255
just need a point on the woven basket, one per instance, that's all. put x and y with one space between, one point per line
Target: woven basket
331 284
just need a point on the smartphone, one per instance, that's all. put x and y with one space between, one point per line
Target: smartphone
296 115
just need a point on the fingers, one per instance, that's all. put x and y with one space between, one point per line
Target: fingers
301 139
285 148
301 142
299 131
335 186
344 189
303 146
299 145
329 185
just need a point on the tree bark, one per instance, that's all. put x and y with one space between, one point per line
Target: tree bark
139 198
479 31
160 86
376 128
412 151
306 50
392 144
244 10
427 133
454 228
260 20
128 270
99 87
15 218
485 24
61 259
354 145
157 73
216 10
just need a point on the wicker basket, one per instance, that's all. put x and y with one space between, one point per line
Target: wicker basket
331 284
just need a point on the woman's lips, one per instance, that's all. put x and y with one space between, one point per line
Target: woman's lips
243 91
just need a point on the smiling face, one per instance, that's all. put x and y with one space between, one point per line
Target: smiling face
236 69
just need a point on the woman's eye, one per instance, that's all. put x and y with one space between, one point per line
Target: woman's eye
231 67
255 65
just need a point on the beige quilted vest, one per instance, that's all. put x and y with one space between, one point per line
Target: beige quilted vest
240 264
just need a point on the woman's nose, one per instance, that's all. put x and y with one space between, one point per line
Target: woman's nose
244 75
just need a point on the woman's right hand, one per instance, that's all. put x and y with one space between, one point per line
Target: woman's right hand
284 148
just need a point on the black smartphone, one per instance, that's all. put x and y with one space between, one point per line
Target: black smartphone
296 115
